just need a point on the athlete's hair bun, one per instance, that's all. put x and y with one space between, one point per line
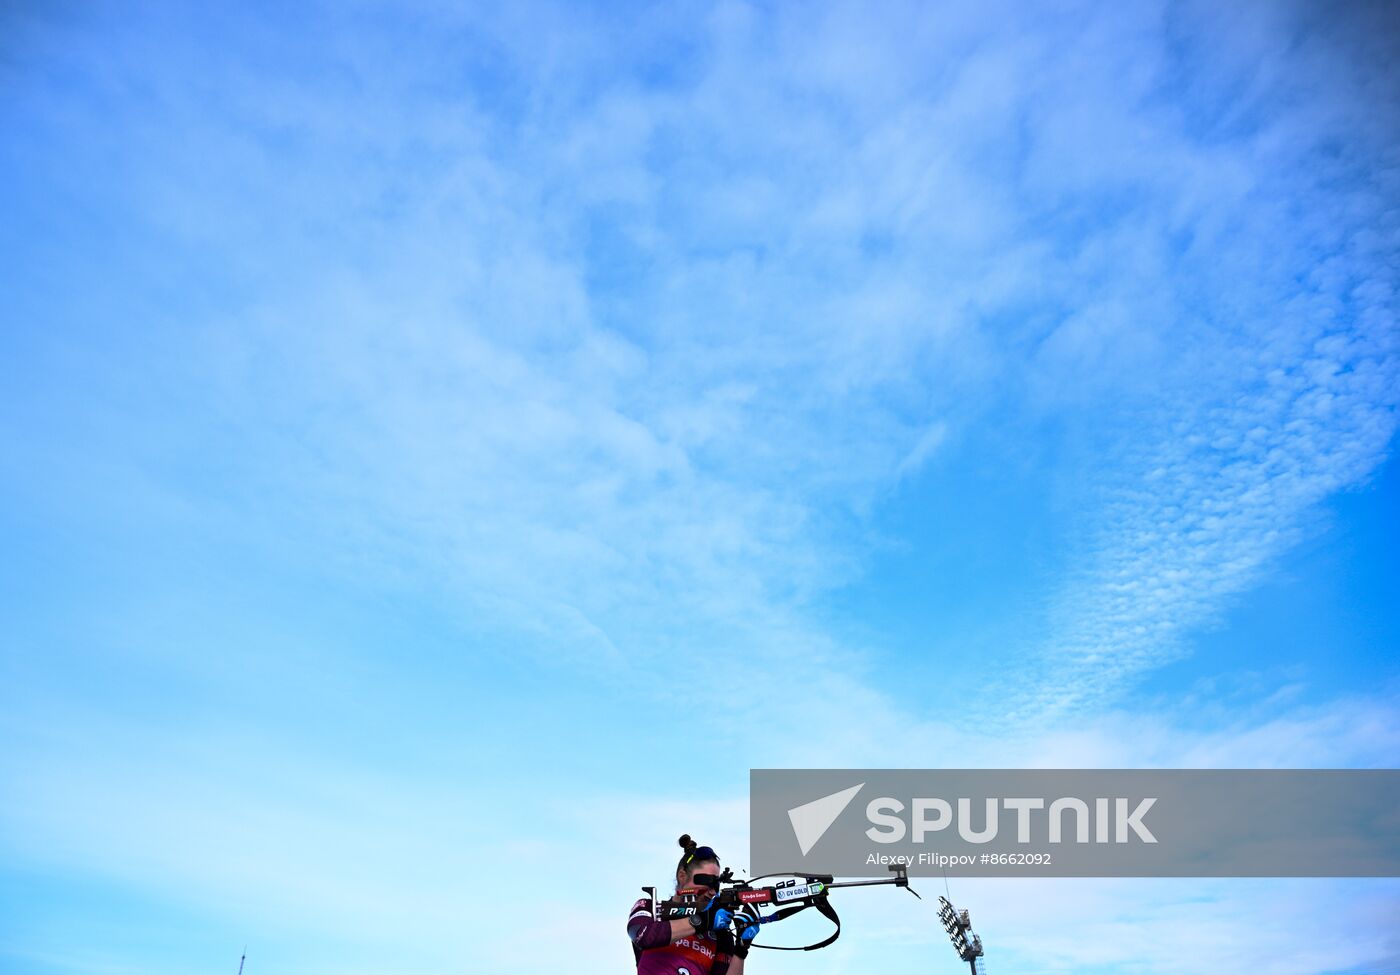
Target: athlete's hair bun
687 844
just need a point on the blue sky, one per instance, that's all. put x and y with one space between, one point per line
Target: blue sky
433 437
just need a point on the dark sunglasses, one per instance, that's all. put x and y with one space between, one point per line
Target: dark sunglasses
705 880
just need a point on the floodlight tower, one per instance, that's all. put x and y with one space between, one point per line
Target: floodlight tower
966 943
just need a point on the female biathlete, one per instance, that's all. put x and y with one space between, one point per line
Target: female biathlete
701 943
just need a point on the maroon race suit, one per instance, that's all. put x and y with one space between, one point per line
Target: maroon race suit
658 955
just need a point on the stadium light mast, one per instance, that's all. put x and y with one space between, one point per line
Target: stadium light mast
966 943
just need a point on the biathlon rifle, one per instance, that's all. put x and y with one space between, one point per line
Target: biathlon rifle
788 897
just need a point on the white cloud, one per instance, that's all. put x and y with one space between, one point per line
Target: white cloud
585 341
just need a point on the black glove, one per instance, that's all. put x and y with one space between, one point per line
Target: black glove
746 923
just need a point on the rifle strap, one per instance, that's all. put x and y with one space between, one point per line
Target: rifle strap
821 904
829 912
